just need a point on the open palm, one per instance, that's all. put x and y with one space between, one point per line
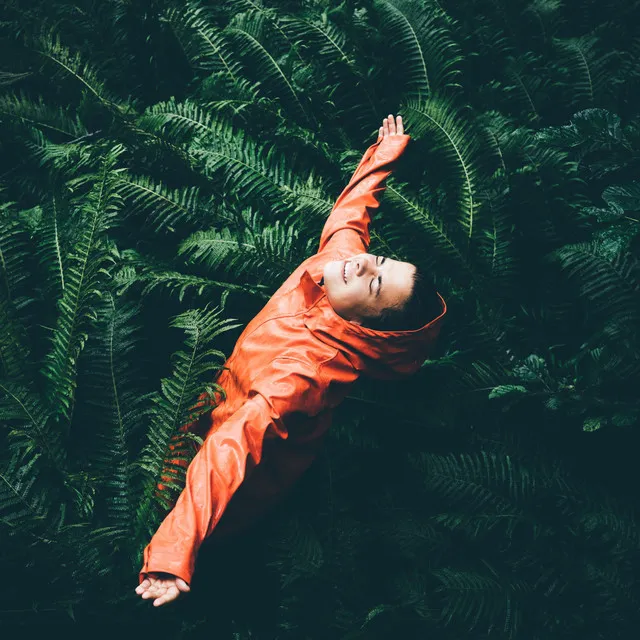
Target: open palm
162 587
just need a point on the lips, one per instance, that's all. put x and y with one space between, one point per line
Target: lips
344 271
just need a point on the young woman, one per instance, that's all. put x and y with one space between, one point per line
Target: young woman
341 313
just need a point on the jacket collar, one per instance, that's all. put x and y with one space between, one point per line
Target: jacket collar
381 354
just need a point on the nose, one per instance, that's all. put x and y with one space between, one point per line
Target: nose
364 265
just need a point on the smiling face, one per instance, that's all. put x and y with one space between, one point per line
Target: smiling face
372 283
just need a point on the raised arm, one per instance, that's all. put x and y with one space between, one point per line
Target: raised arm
348 224
286 386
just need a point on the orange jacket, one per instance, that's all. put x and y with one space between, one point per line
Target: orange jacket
292 364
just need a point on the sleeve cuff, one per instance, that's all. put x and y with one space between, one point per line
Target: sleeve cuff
166 563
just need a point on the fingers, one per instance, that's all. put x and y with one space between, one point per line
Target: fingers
391 127
160 590
170 594
143 586
182 585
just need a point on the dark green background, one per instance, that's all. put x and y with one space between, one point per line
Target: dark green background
178 160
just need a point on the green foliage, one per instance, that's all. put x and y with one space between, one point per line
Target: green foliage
166 165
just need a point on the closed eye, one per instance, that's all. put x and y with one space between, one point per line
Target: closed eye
379 278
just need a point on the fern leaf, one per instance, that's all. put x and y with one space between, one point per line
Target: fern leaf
85 282
166 208
14 255
113 407
269 254
441 244
62 61
609 280
586 68
458 146
152 274
54 121
248 32
171 407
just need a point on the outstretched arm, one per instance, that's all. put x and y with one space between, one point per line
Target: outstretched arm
348 223
284 387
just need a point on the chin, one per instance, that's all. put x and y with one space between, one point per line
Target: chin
331 271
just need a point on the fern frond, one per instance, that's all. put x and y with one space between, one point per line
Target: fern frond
171 407
441 246
113 406
589 130
328 47
152 274
479 481
27 505
7 77
470 597
496 250
62 62
617 593
458 147
311 205
609 280
15 252
165 208
84 284
421 38
250 37
255 172
399 19
268 254
52 246
204 44
527 84
585 67
179 122
55 121
24 406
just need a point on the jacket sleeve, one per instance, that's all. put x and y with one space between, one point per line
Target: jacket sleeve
286 386
361 195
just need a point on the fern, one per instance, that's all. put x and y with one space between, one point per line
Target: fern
204 44
439 118
85 282
472 597
609 281
585 66
269 254
14 253
170 408
135 270
62 62
51 247
249 36
165 208
442 245
179 122
113 408
53 121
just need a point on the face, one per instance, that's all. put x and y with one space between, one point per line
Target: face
372 284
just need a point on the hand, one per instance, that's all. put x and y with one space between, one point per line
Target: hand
162 587
390 127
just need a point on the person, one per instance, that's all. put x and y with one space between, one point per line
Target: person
342 313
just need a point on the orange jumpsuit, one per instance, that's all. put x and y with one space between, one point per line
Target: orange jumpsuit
292 364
